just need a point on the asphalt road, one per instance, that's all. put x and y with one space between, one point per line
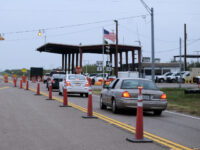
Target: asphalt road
32 120
179 128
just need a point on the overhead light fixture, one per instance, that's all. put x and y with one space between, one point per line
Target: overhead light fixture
1 37
39 33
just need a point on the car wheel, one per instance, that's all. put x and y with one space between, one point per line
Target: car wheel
60 93
161 80
93 81
173 80
86 94
157 112
102 105
81 94
114 107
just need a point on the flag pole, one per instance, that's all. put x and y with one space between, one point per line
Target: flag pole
103 56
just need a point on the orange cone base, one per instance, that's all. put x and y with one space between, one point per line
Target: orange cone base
89 117
49 99
65 106
134 140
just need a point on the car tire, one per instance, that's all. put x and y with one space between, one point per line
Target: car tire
173 80
93 81
59 93
157 112
86 94
102 105
81 94
161 80
114 107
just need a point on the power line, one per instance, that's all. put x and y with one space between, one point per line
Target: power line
74 25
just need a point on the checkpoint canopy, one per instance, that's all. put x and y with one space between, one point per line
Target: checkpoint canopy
72 55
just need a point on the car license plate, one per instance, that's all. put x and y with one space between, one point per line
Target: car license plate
146 97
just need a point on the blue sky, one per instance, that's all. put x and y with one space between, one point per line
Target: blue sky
18 50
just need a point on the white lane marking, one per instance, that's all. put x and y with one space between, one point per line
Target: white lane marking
184 115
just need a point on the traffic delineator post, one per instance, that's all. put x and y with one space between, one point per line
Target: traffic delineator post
139 138
5 78
21 84
38 88
50 92
27 85
65 98
89 109
15 82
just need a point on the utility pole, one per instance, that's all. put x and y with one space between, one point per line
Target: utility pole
116 50
185 48
180 47
151 12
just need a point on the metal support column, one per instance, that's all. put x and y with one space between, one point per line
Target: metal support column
76 59
133 60
120 56
72 62
65 63
81 57
69 56
126 60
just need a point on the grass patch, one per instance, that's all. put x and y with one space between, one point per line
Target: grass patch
96 91
178 101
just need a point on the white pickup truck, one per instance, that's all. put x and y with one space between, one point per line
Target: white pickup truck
163 78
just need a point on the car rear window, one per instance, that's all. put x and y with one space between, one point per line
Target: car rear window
134 84
76 77
59 76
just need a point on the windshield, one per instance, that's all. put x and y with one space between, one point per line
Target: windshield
91 75
169 74
76 77
59 76
134 84
100 75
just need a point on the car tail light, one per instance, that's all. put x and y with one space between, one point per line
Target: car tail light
86 84
126 94
163 96
68 83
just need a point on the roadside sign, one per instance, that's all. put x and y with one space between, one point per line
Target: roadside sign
99 63
108 64
108 68
99 68
24 70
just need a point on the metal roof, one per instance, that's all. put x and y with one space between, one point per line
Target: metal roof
68 49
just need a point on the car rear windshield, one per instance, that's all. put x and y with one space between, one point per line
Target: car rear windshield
134 84
76 77
59 76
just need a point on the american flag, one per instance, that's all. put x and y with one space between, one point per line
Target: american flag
109 35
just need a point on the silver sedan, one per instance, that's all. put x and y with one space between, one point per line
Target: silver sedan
123 93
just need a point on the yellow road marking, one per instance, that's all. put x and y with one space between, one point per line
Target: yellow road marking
127 127
4 87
